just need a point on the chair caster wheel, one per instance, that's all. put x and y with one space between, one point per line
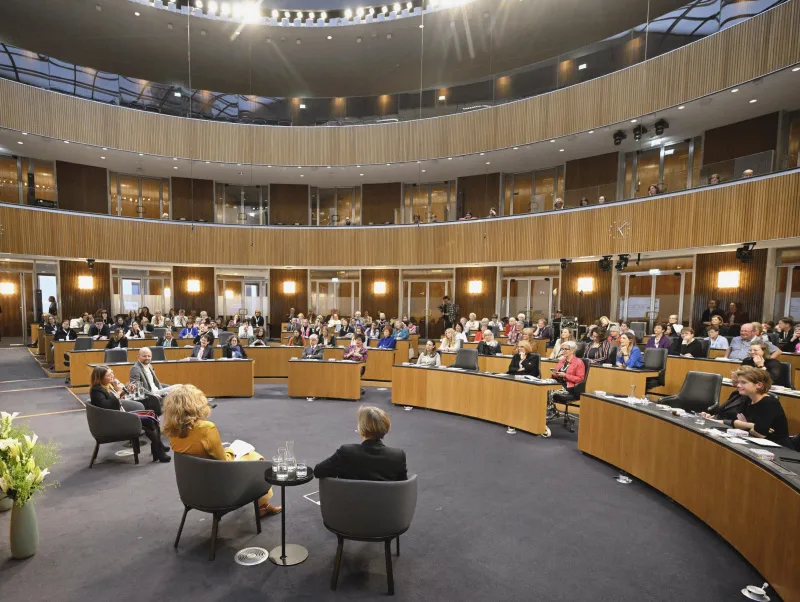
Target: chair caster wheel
546 434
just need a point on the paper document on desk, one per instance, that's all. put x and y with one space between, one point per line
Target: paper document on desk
764 442
240 448
736 440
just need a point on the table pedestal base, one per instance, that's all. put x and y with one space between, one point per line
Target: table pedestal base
295 554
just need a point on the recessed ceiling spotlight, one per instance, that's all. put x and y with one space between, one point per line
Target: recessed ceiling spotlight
516 148
360 11
591 131
421 26
361 174
207 162
298 42
174 158
104 148
449 158
734 91
330 37
482 154
20 142
348 13
561 150
553 140
682 107
103 158
488 163
24 133
424 170
388 164
141 154
299 167
388 36
275 13
754 101
358 40
329 166
137 14
633 120
442 97
582 66
175 167
302 175
358 166
169 26
796 69
302 106
66 141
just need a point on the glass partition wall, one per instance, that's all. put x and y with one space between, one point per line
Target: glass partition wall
242 292
422 293
134 288
333 206
335 290
654 290
532 291
429 202
247 205
533 191
787 290
138 196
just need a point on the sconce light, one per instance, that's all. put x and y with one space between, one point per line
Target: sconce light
85 283
228 294
289 287
585 285
728 280
379 287
475 287
167 291
193 286
7 288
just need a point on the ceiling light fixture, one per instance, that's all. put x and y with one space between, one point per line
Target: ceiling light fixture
561 150
66 141
323 15
360 11
424 170
753 101
348 13
796 69
384 9
734 91
633 120
24 133
275 13
488 163
302 106
103 158
582 66
682 107
591 131
330 37
442 97
20 142
516 148
137 14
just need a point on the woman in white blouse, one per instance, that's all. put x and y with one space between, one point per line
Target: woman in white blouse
245 330
450 342
566 335
460 334
473 323
135 332
429 357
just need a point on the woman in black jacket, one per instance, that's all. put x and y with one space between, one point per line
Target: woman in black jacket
524 362
117 340
105 393
488 346
759 358
690 346
326 339
233 349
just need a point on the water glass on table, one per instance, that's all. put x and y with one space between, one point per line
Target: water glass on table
302 470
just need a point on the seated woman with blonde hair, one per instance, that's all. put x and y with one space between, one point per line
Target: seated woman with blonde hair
184 422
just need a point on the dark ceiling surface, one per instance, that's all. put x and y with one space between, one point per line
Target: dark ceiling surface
458 45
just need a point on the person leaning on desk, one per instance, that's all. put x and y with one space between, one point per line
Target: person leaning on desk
628 354
314 350
233 350
524 361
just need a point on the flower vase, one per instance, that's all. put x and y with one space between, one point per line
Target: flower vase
5 503
24 531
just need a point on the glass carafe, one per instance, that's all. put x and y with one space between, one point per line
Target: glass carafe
291 461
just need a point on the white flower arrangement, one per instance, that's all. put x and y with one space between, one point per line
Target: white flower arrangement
24 461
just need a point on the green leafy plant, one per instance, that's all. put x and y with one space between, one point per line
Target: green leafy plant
24 461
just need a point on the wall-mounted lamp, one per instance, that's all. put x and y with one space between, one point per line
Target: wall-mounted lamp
728 279
585 285
228 294
167 291
7 288
475 287
193 286
85 283
289 287
379 287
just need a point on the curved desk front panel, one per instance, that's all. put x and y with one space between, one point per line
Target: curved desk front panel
752 504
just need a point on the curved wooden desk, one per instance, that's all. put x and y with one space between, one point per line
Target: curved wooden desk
215 378
79 361
678 367
328 379
273 361
505 400
750 503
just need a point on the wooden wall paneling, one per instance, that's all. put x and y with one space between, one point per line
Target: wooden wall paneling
32 231
740 139
587 306
288 204
757 46
11 304
591 177
182 298
484 304
74 301
750 294
82 187
379 202
387 303
280 302
479 193
192 199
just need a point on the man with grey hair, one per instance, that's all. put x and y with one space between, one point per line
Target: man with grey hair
739 348
314 349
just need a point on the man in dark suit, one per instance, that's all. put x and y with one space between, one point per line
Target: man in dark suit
371 460
291 315
257 319
314 349
168 340
99 330
65 333
710 312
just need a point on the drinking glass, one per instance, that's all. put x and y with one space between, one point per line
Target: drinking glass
276 460
302 470
633 392
289 458
699 421
283 471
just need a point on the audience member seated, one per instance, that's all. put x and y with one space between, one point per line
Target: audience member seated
185 413
245 330
356 352
257 319
429 357
714 179
65 333
371 460
412 326
658 340
558 204
747 173
129 319
168 340
736 404
400 331
51 326
188 331
181 321
117 340
759 358
711 311
613 337
233 349
479 333
676 328
327 339
763 417
449 341
488 346
135 332
473 323
597 349
510 325
690 347
146 326
628 354
120 323
542 331
603 324
159 321
373 332
88 324
204 350
736 317
143 375
295 340
739 348
145 313
106 392
460 334
204 331
566 335
524 361
715 340
568 372
783 330
652 190
258 338
314 350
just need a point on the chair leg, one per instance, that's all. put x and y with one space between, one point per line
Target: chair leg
398 545
180 529
94 455
213 551
136 450
337 563
258 518
387 546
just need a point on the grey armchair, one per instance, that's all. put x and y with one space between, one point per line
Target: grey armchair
116 356
112 426
224 337
466 359
158 354
699 392
218 487
368 511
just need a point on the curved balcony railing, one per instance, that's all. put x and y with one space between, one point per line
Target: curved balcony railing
658 36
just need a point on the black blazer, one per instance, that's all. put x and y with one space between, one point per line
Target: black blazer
331 342
695 348
227 351
61 334
173 342
369 461
208 354
530 365
207 334
736 404
103 332
484 349
773 367
112 344
257 321
51 328
101 398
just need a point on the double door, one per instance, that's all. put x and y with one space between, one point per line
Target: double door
652 298
422 299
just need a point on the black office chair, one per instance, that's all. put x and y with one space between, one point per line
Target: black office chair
612 356
158 333
81 344
224 337
706 345
577 390
655 359
158 354
115 356
367 511
675 345
466 359
699 392
773 338
581 349
785 378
